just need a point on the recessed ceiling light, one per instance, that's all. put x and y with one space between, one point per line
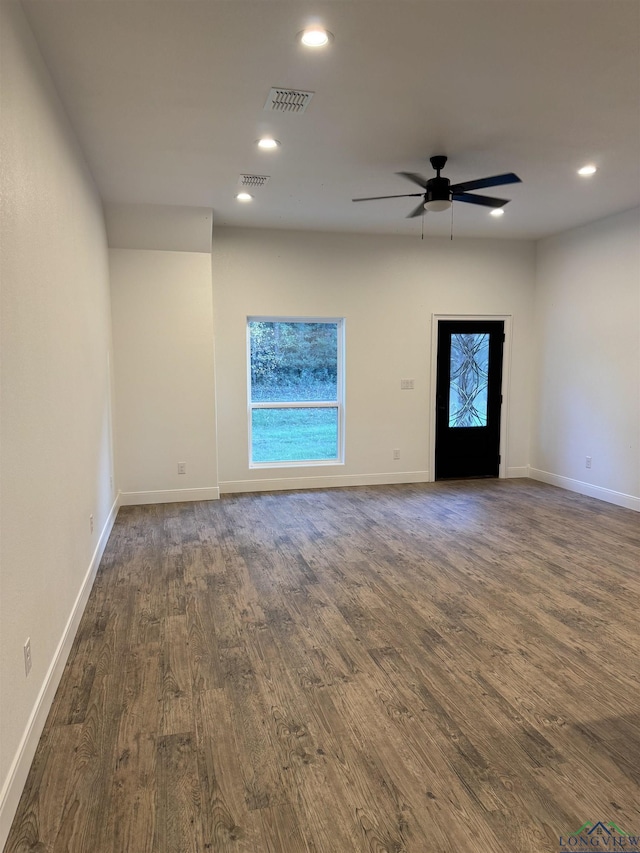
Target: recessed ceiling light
268 144
590 169
497 211
315 36
244 197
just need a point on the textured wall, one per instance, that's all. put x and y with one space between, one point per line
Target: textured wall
56 461
387 288
587 401
165 385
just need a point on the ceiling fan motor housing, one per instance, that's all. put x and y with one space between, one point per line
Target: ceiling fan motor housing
437 190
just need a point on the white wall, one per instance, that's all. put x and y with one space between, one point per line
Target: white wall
55 457
168 228
162 310
587 401
387 288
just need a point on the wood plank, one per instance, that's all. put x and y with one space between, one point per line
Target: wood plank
177 696
132 817
228 824
178 827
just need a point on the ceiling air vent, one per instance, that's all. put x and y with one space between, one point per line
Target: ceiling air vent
288 101
253 181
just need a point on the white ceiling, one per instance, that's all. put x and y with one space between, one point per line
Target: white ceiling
167 100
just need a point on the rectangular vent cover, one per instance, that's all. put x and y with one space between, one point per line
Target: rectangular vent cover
288 101
253 181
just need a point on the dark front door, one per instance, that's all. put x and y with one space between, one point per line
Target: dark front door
468 398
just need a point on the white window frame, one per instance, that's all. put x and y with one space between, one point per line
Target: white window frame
312 404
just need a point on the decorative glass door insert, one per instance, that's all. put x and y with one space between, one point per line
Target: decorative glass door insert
468 380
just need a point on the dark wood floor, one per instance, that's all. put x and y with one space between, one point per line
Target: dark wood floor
441 668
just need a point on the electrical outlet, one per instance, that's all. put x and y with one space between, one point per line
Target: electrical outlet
27 656
407 384
588 462
91 524
396 454
182 467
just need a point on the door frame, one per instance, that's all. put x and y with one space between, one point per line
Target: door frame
506 372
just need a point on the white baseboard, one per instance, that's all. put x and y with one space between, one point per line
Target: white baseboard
169 496
326 482
608 495
517 472
19 769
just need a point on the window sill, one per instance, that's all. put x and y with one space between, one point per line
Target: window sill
321 463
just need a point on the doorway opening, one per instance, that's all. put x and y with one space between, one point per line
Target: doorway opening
468 411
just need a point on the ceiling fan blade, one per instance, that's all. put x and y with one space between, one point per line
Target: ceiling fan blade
484 200
483 183
419 211
378 197
415 177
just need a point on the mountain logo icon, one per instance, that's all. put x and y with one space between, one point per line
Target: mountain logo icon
599 828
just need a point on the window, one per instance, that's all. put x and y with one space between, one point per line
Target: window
295 391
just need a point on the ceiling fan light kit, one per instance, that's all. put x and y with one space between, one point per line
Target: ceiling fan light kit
436 205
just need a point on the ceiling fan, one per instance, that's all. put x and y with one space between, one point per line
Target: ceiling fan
438 193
